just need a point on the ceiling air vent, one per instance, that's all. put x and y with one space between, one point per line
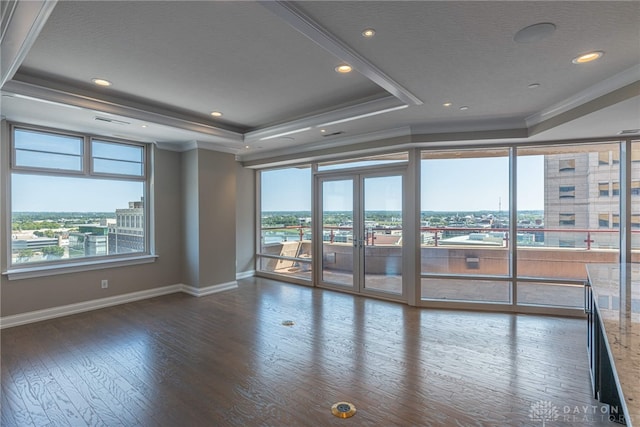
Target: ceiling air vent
333 134
108 120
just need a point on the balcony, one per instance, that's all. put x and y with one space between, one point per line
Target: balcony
549 274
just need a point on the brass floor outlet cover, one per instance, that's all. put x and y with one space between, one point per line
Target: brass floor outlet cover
343 409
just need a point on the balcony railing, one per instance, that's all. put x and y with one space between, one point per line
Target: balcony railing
577 238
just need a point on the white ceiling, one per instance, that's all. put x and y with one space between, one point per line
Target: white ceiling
269 67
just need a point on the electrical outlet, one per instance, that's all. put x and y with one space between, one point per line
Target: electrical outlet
104 284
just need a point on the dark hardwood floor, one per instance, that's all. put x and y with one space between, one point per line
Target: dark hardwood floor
227 360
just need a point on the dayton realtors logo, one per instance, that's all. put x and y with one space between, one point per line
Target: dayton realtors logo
544 411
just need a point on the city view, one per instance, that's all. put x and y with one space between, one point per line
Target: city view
51 236
282 226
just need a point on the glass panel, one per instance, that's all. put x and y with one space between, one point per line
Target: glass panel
383 234
116 167
557 235
47 150
550 294
465 212
466 290
57 218
635 202
285 221
337 232
384 159
118 159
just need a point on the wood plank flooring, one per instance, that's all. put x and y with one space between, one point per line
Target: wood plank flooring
227 360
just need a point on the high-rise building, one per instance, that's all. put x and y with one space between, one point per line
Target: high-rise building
89 240
582 192
127 234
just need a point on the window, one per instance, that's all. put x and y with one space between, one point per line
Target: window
285 246
635 188
70 194
615 188
603 220
616 221
567 192
615 157
603 188
567 219
567 165
635 221
603 158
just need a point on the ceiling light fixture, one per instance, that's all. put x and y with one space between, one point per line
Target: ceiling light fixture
362 116
588 57
343 69
216 114
464 108
291 132
447 104
144 126
534 85
534 32
101 82
368 33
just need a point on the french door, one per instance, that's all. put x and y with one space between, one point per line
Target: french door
359 235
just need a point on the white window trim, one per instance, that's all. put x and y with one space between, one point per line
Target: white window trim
75 267
14 272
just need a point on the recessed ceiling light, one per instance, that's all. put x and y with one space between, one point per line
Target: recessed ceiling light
246 146
323 130
216 114
144 126
368 33
101 82
447 104
534 32
464 108
588 57
344 68
534 85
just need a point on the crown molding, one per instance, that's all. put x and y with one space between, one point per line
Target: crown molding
184 146
323 38
20 27
362 144
122 108
600 89
352 112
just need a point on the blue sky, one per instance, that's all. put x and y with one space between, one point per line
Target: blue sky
446 185
37 193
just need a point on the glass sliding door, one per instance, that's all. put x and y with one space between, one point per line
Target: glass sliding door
361 229
382 233
339 245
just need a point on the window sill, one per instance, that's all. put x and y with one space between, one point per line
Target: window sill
50 270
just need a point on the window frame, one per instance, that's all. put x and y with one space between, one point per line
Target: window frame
46 268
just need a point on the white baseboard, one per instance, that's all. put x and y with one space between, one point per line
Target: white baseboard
245 274
200 292
66 310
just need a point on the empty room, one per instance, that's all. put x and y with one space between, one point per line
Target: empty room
319 213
